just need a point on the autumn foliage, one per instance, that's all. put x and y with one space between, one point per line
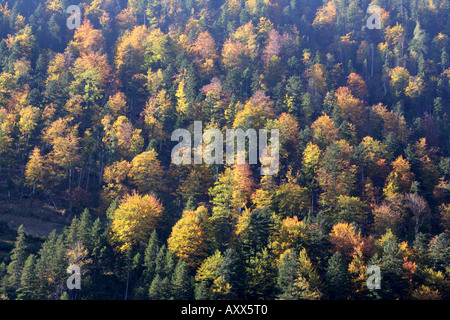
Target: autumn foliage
86 124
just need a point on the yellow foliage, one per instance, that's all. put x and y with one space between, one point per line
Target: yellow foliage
326 16
188 238
324 131
290 233
134 220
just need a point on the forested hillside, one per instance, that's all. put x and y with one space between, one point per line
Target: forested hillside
87 114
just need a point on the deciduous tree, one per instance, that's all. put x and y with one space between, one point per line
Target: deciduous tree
188 238
134 220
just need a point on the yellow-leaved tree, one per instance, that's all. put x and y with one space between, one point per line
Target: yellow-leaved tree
188 238
400 178
146 172
324 131
134 220
34 170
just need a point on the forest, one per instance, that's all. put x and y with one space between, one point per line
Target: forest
87 180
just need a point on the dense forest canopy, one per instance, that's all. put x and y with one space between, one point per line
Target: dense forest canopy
86 117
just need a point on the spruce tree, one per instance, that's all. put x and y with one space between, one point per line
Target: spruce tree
439 252
261 274
166 289
393 281
201 292
43 265
260 227
71 233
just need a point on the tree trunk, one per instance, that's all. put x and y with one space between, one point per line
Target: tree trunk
70 193
128 280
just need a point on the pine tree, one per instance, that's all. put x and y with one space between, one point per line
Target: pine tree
97 233
51 267
201 292
439 252
71 231
308 285
206 275
160 262
166 289
419 41
169 263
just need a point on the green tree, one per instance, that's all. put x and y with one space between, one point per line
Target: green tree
28 279
259 230
439 251
182 282
18 258
287 273
206 275
51 267
157 289
232 271
419 41
337 278
261 276
393 282
150 255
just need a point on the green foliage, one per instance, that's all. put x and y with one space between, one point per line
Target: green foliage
337 278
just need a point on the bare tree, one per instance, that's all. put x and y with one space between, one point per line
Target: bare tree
419 208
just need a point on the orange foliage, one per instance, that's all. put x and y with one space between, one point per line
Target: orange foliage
324 130
326 16
351 108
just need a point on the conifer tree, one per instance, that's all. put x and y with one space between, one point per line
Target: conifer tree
150 255
232 271
156 289
287 273
182 283
337 277
261 275
28 279
18 258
